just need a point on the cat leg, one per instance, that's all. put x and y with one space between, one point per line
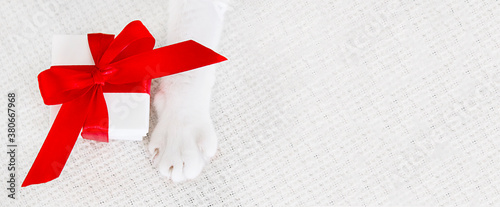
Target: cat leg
184 140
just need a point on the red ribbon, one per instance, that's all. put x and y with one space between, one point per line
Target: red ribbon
126 63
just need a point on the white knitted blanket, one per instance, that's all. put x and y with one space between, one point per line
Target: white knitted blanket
322 103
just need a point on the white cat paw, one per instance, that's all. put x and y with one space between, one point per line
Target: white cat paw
182 144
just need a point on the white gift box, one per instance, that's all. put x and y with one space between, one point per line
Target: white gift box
128 112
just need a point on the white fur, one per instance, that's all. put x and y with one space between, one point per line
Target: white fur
184 140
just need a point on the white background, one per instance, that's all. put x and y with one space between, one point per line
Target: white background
321 103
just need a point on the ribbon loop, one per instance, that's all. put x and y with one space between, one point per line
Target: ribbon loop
122 64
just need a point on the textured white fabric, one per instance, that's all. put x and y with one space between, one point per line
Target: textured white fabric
321 103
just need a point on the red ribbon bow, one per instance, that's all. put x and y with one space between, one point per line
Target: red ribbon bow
126 63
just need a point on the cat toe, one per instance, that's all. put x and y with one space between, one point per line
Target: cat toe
177 172
193 161
208 142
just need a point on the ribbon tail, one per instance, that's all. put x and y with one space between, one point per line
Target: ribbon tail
62 137
172 59
97 123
